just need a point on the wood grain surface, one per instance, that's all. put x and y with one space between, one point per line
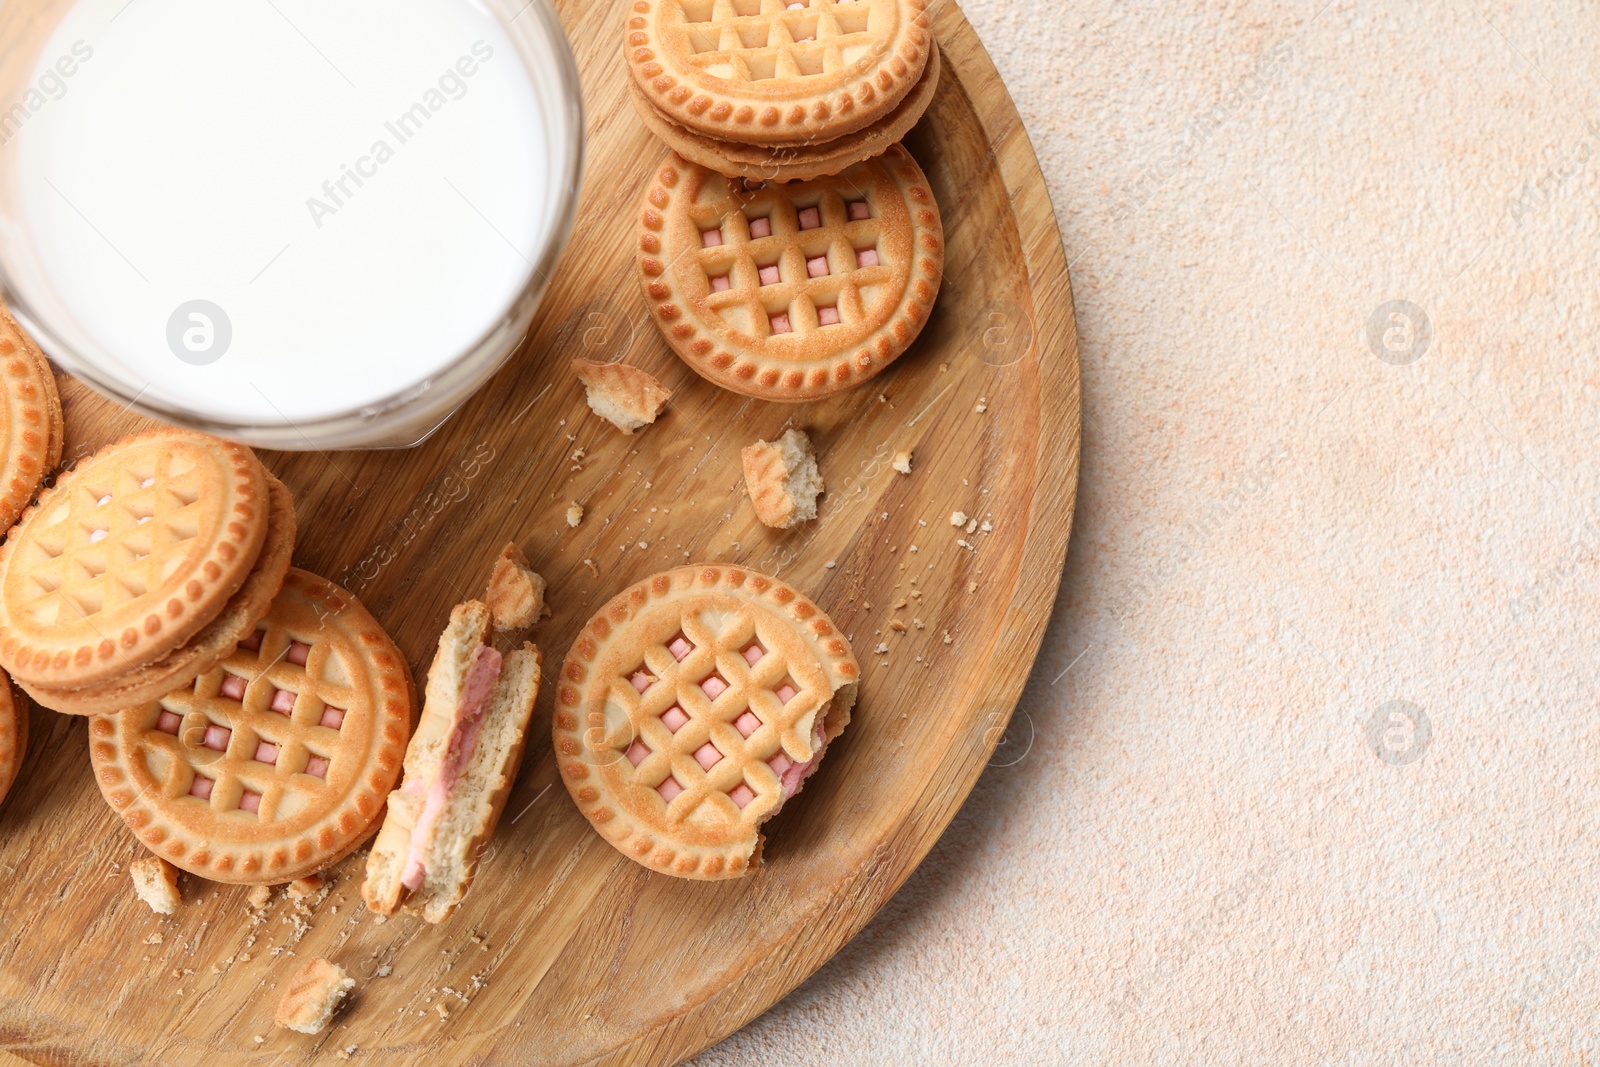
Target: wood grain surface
566 952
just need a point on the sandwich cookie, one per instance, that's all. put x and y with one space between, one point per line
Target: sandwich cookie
128 556
459 769
273 765
31 426
794 291
13 735
692 707
794 162
203 651
776 72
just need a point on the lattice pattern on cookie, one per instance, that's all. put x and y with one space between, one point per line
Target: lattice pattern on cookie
776 72
757 40
705 713
781 261
791 291
277 760
684 703
261 733
127 551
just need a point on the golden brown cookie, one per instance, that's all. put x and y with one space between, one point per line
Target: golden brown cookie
13 734
791 291
626 397
30 420
129 555
275 764
205 649
776 71
796 162
691 707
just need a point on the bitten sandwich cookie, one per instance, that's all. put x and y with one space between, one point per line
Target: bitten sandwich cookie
13 734
692 707
30 420
275 764
459 769
130 555
772 72
794 291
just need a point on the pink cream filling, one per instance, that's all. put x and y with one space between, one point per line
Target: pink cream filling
475 693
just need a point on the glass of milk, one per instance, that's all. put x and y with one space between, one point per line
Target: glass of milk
296 223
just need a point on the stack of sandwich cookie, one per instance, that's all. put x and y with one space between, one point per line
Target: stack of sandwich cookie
780 90
692 707
793 291
141 569
464 757
31 427
273 764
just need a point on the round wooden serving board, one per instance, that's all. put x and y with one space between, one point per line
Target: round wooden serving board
566 952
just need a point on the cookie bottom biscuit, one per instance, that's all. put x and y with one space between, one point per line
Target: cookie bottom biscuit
798 162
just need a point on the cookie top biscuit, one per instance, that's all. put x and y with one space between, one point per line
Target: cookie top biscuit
13 734
791 291
128 556
275 764
776 72
683 702
30 420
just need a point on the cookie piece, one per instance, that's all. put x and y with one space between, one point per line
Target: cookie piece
274 764
202 652
30 420
130 554
13 734
795 162
794 291
313 996
691 707
155 881
516 591
624 396
776 71
782 479
460 767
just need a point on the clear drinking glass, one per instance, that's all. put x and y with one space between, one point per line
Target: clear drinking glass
126 302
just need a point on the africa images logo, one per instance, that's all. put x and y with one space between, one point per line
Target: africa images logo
451 85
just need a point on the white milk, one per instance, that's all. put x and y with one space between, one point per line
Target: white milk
361 188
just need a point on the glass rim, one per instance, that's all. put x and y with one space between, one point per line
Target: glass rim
463 374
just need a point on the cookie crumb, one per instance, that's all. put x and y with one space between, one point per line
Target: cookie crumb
983 405
783 479
972 587
155 881
958 518
385 971
830 565
258 1039
312 996
154 939
574 514
624 396
897 626
443 1010
516 592
301 888
260 896
882 648
902 461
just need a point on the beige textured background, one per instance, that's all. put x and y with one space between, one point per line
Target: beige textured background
1201 858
